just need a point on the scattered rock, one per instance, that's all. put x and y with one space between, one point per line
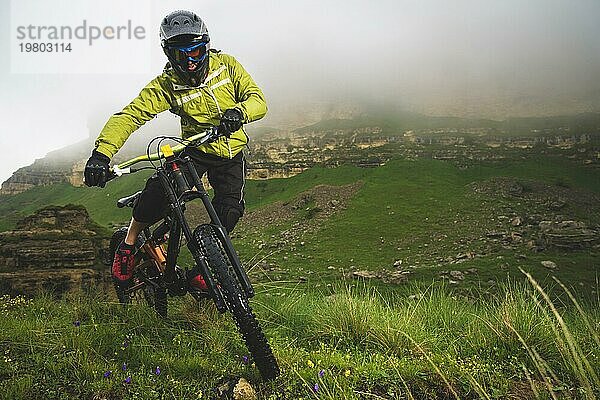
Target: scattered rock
395 277
495 234
457 275
516 237
233 389
472 270
243 391
516 221
549 264
397 263
364 274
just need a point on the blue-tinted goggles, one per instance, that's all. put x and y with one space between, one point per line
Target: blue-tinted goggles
194 53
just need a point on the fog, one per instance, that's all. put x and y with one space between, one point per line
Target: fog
464 58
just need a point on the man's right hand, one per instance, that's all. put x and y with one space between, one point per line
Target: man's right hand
96 170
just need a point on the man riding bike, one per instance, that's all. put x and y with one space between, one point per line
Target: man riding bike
205 88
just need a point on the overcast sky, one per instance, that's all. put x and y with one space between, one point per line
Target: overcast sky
464 57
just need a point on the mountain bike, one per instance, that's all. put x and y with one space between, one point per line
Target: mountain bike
157 275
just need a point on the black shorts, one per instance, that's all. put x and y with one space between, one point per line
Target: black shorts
226 176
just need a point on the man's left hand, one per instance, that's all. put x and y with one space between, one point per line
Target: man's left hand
230 122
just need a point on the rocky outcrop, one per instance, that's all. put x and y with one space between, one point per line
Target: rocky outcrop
76 176
56 248
568 235
345 136
41 173
57 281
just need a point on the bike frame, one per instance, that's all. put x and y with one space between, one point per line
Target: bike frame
178 192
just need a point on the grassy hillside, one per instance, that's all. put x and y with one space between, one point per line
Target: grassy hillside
425 213
100 203
430 215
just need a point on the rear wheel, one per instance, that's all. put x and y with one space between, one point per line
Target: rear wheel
155 298
237 302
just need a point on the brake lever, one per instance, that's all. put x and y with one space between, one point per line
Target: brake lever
211 137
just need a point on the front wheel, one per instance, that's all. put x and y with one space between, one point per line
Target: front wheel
237 302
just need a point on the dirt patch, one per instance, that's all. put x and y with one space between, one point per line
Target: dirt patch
308 210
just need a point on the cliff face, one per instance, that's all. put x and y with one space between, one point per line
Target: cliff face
60 166
42 173
56 249
342 135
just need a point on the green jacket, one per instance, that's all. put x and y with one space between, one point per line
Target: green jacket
227 85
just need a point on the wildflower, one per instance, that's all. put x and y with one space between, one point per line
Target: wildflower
157 371
107 374
125 344
347 373
321 373
310 364
124 367
245 359
127 380
76 324
316 388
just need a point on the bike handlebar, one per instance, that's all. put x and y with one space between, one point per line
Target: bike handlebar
195 140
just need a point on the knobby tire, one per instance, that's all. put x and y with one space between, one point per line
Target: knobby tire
237 303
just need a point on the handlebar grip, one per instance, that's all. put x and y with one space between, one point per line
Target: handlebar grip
110 176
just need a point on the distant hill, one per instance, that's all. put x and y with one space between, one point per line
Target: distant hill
392 123
66 165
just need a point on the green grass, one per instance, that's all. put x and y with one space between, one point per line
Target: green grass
351 341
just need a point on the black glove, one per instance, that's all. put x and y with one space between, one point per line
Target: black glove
230 122
96 170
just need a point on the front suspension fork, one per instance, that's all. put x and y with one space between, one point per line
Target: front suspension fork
220 229
180 225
